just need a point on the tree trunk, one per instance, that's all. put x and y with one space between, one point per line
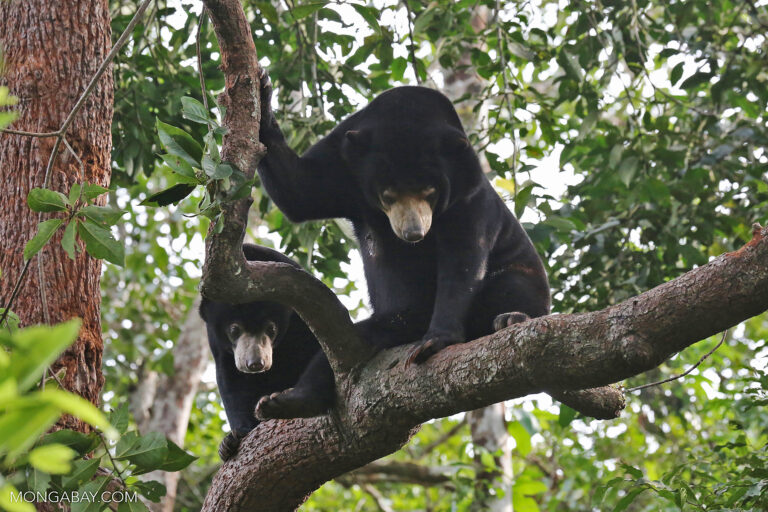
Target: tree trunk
51 50
163 403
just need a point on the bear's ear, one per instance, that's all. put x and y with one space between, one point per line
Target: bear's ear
454 141
357 138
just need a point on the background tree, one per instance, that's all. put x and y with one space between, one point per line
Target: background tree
50 53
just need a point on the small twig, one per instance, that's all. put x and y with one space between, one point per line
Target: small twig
109 454
412 49
378 498
689 370
77 159
505 99
30 134
203 15
61 133
443 438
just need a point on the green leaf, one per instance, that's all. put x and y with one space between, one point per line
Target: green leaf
222 171
695 79
566 415
636 473
99 242
68 239
126 442
38 481
43 344
521 436
119 418
74 193
92 191
194 110
180 143
82 472
170 195
302 11
522 199
179 166
370 15
55 459
81 443
151 490
148 453
677 73
398 68
615 157
45 231
45 200
209 165
102 214
176 458
628 499
8 493
627 170
20 428
80 407
93 488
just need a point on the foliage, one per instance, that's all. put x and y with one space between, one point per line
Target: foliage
82 216
654 114
65 462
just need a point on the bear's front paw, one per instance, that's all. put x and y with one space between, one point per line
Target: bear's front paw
506 319
265 85
230 444
430 346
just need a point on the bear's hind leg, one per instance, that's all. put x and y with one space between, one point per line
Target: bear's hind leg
311 396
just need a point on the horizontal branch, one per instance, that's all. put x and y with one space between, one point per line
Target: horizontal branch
399 472
281 462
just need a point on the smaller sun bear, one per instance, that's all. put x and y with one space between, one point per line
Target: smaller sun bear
268 362
261 348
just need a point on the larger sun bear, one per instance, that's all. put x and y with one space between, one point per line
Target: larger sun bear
439 246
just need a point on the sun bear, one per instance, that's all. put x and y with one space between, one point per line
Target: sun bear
440 248
261 348
268 362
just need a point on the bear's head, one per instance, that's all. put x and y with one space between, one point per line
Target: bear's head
250 332
411 172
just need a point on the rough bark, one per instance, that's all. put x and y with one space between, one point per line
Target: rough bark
164 402
51 50
282 462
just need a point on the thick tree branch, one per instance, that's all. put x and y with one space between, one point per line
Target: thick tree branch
281 462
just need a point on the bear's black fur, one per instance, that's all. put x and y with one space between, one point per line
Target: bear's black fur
439 246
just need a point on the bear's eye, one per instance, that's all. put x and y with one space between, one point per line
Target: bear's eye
270 330
388 197
234 331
